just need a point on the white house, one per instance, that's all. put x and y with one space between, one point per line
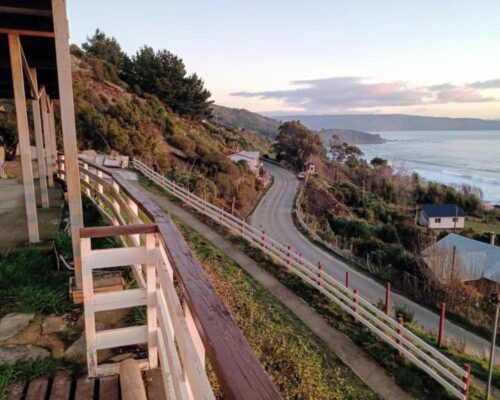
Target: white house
441 216
251 157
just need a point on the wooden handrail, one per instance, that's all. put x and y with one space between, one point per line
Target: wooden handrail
120 230
239 372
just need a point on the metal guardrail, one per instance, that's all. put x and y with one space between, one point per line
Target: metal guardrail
451 376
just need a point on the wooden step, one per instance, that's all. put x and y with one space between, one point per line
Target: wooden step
121 337
120 299
119 257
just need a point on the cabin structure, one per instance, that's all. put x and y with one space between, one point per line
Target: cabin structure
441 216
183 333
252 158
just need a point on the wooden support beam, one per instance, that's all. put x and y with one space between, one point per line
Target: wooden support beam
47 138
27 72
25 11
52 125
24 139
25 32
40 154
68 130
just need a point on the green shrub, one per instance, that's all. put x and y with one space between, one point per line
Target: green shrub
405 312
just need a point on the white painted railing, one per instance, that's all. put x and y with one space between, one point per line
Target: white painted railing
454 378
178 328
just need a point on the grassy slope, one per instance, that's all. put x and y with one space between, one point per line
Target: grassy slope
300 364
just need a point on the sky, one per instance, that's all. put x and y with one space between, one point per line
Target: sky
428 57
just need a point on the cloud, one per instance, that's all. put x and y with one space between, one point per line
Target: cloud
491 84
354 93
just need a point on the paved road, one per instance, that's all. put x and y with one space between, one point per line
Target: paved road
274 215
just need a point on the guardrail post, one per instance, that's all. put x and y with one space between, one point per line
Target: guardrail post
466 380
355 308
263 240
347 279
320 274
86 179
289 257
174 188
189 196
441 325
388 298
400 332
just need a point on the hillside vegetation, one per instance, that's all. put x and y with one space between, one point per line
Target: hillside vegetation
239 118
146 106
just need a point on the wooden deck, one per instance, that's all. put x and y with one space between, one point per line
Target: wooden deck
64 387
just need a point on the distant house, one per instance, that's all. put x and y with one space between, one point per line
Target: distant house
310 168
441 216
469 260
251 157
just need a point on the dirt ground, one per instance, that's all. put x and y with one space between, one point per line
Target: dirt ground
13 227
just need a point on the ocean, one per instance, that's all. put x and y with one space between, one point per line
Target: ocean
449 157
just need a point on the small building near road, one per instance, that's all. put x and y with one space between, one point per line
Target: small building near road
441 216
251 157
458 257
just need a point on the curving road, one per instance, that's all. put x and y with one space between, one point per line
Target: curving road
274 215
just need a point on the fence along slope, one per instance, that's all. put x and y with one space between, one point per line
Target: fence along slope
450 375
238 371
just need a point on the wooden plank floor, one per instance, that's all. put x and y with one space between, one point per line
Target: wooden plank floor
64 387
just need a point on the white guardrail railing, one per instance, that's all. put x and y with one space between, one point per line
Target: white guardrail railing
454 378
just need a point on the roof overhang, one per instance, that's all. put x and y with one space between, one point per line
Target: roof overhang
32 20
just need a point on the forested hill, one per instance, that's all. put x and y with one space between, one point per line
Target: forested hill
391 122
147 106
240 118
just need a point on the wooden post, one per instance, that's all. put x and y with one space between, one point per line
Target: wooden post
40 154
441 325
24 136
86 178
400 332
195 335
388 298
47 138
347 279
355 308
135 209
68 129
131 382
263 240
100 188
52 127
88 308
62 166
466 380
116 205
151 265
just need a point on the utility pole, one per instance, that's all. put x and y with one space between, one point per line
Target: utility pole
492 299
455 220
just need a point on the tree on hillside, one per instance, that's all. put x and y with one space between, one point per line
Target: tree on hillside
164 74
296 144
106 48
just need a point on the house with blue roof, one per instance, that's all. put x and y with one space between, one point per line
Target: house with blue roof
441 216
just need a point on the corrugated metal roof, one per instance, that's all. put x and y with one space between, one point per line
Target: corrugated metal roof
477 258
443 210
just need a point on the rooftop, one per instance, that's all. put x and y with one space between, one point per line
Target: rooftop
443 210
478 259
